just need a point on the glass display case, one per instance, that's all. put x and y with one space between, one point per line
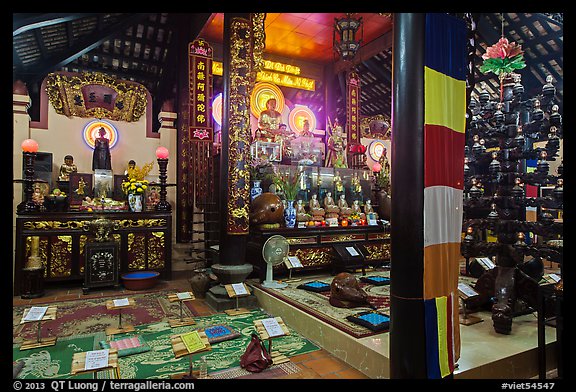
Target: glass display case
354 184
271 151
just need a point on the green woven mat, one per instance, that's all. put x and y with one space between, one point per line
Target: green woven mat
159 362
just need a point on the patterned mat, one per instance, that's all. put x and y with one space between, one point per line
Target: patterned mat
317 304
54 362
274 371
90 315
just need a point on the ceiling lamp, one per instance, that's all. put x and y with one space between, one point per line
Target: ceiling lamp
344 35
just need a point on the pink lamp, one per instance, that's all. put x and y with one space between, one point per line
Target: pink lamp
30 145
376 167
162 153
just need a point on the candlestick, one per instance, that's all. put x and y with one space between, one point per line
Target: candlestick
163 204
27 205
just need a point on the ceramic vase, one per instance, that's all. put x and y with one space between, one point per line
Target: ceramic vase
135 202
256 189
200 282
384 204
290 214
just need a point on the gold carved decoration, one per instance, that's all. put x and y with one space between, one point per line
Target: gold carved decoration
342 238
136 251
241 59
259 33
378 251
376 127
95 94
61 257
312 257
101 228
301 240
54 225
379 236
156 250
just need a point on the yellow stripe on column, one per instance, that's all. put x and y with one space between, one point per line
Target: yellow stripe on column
441 315
445 100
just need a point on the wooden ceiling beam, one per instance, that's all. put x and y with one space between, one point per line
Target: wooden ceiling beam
22 24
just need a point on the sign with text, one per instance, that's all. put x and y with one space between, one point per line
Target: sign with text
353 109
200 91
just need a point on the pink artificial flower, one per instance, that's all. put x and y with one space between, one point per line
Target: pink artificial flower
502 49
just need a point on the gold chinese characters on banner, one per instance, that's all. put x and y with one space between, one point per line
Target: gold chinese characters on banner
200 88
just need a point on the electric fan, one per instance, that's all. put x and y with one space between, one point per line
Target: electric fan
274 250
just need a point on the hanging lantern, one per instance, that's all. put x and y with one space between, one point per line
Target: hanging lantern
344 35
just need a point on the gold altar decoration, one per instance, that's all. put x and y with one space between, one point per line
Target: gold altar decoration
376 127
95 94
102 228
239 133
259 34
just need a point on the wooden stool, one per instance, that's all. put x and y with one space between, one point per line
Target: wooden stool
50 314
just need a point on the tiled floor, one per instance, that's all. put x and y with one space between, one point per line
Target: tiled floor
316 365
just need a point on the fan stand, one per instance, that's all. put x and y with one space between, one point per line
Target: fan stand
270 283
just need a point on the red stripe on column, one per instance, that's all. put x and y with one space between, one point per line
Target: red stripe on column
443 156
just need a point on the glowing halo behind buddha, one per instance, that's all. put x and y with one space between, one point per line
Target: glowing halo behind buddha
261 93
298 115
91 132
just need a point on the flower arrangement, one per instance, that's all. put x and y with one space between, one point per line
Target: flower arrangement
256 166
287 183
381 171
135 183
503 58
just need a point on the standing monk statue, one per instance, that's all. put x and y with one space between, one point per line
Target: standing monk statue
101 157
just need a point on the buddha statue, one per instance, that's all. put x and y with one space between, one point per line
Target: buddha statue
315 209
345 210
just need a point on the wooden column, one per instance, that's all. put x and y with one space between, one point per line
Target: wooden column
407 333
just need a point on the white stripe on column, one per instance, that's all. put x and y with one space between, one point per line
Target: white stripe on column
442 215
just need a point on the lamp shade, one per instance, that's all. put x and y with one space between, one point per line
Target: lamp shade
376 167
30 145
162 153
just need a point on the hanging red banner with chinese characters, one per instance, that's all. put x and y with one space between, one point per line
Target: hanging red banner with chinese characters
353 108
200 88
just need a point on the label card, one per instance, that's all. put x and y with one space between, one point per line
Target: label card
184 295
352 251
36 313
96 359
121 302
295 262
272 327
239 289
466 290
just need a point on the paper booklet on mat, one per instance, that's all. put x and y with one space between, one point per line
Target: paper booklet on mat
272 327
36 313
96 359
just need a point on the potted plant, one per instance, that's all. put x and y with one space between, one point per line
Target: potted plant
257 167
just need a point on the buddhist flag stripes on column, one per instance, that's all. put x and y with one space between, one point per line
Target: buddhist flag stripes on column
444 127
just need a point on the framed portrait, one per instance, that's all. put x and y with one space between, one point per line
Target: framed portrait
103 183
118 192
80 187
152 196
